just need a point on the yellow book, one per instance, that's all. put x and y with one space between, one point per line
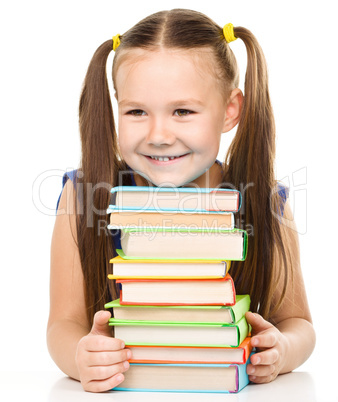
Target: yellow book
168 269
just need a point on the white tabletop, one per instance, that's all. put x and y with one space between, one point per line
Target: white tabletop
55 387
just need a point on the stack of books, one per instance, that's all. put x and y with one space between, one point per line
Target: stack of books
178 310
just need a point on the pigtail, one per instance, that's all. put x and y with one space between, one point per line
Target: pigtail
100 166
250 160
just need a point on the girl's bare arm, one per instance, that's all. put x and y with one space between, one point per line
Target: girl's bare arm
87 354
289 339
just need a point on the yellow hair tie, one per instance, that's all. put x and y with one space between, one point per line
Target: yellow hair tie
228 32
116 41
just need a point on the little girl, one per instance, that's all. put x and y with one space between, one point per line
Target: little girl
176 84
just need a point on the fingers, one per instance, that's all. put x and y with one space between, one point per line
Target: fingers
99 373
100 324
264 334
262 379
104 377
101 351
267 357
104 385
260 371
264 366
264 340
257 322
101 343
107 358
102 371
101 359
270 344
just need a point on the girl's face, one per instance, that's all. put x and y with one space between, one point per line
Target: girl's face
171 116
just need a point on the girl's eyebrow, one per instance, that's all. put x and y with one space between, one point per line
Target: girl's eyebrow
180 102
127 102
189 101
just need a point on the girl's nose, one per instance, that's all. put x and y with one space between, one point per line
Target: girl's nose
160 134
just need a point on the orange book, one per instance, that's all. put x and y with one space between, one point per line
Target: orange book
218 292
191 354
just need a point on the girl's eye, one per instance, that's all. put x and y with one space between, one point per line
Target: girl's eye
137 112
183 112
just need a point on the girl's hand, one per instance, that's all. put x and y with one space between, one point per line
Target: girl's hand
100 358
271 345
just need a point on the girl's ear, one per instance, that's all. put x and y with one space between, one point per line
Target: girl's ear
233 109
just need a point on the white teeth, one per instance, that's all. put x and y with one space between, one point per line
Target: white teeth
163 158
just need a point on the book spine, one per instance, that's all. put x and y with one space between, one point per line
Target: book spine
240 308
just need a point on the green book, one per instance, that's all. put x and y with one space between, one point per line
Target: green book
184 243
197 314
169 333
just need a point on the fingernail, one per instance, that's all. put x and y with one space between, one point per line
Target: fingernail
119 378
251 370
257 360
254 342
252 378
126 364
128 354
122 345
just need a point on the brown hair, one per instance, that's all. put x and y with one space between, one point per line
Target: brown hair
102 162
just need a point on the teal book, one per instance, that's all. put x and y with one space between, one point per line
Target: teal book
208 378
172 199
169 333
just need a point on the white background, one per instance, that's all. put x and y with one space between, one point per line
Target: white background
45 50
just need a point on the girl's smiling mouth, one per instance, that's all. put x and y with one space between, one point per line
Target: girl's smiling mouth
166 158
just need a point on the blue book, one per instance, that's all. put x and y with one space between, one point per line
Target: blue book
184 199
207 378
